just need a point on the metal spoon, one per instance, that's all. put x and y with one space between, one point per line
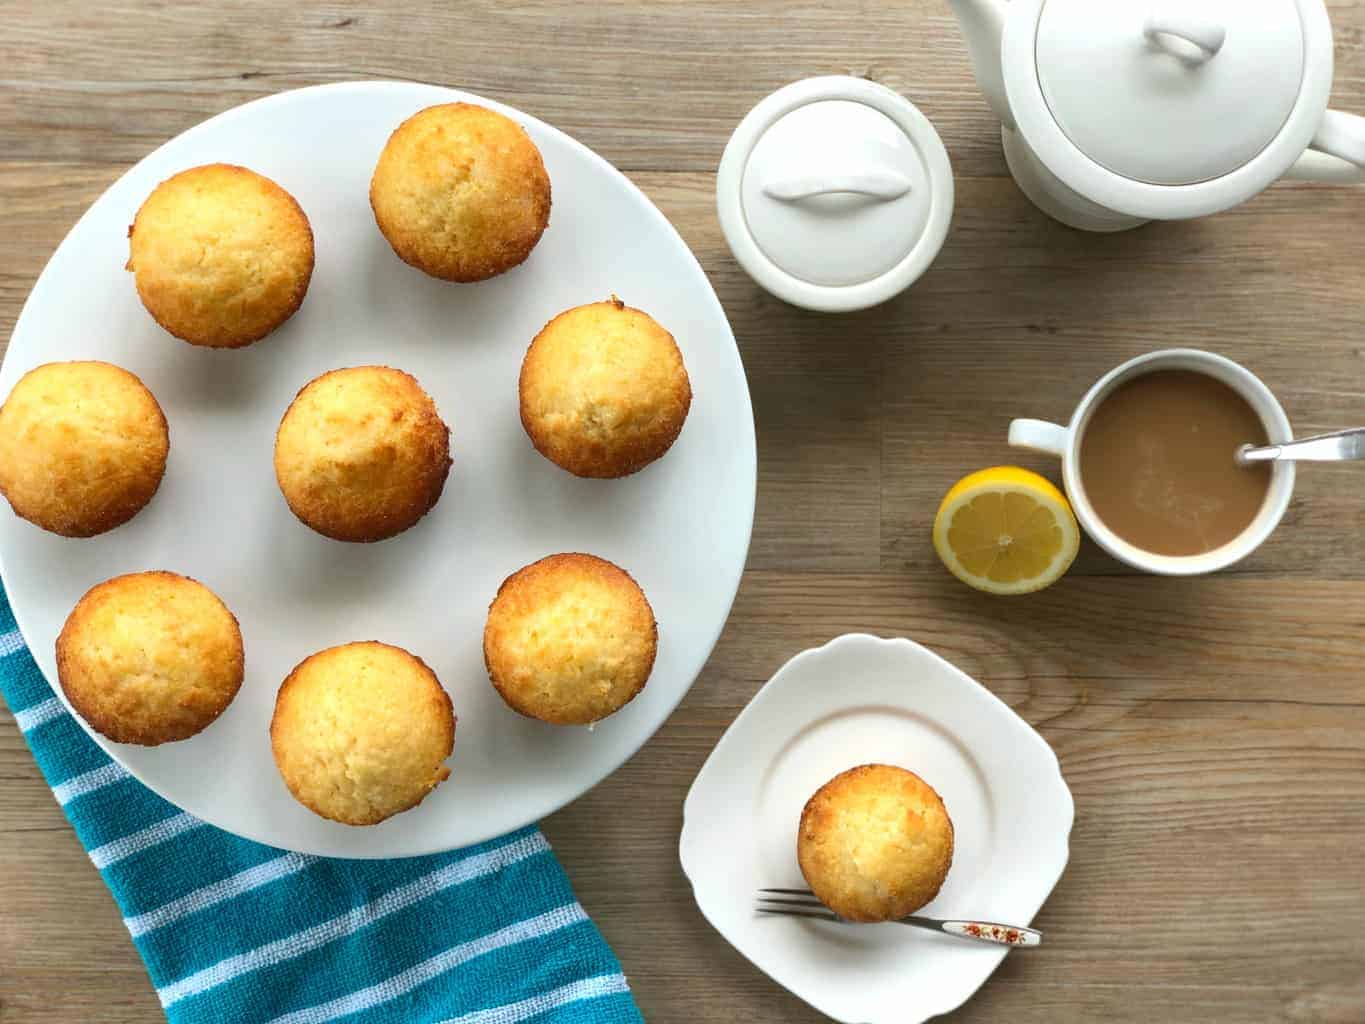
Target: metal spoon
1342 446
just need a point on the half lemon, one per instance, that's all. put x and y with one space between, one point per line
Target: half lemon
1006 530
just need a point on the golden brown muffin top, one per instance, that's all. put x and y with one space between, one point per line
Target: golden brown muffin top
603 390
461 192
221 255
150 657
362 454
361 732
875 843
83 447
569 639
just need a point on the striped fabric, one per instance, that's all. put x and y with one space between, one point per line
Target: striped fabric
232 931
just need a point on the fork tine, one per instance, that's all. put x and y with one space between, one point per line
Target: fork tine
773 901
789 892
783 912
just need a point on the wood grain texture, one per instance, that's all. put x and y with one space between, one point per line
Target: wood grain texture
1212 731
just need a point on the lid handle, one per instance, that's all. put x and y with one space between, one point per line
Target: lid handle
1169 27
882 185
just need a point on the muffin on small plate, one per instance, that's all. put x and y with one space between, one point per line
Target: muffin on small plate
150 658
570 639
362 454
603 390
221 255
83 447
361 732
461 192
875 843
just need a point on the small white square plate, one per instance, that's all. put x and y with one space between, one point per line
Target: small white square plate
861 699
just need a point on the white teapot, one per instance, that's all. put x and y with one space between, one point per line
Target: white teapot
1116 112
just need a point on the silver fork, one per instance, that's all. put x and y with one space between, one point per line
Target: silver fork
802 903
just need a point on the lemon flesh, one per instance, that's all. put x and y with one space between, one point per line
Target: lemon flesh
1006 531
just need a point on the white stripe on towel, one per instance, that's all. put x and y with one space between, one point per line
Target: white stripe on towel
88 782
576 991
217 892
11 643
354 919
31 718
419 974
168 828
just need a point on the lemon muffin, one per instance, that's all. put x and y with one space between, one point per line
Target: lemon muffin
221 255
603 390
461 192
362 454
569 639
361 732
83 447
150 657
875 843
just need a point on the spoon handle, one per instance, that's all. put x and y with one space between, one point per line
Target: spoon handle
1341 446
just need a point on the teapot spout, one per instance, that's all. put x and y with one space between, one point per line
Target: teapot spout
983 23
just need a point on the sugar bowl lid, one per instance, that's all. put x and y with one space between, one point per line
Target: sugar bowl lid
835 193
1167 108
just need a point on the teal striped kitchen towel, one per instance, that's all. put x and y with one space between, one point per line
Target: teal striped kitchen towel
233 932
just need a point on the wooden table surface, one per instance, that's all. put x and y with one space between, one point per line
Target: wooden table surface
1212 730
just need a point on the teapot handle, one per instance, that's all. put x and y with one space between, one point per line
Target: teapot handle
1337 152
1341 135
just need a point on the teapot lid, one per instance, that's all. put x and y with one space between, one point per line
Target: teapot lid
1168 108
835 193
1174 93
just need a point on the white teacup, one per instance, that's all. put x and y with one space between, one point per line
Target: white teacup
1065 442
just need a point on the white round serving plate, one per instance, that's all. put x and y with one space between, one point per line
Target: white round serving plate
861 699
681 526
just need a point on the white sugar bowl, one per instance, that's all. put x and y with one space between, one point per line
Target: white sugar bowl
835 193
